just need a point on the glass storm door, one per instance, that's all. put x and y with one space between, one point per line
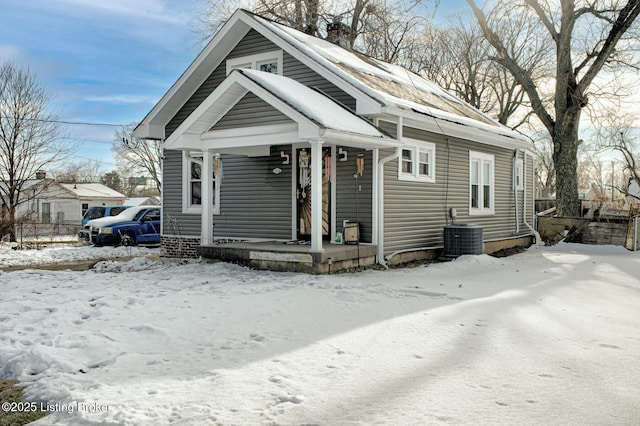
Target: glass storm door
303 192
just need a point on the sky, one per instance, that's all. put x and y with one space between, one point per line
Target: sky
100 61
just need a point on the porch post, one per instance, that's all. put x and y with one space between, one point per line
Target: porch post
316 195
206 191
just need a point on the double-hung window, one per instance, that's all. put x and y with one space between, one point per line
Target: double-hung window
193 181
270 62
417 161
481 183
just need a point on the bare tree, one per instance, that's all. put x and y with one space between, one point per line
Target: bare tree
138 155
30 137
619 135
456 56
544 167
85 172
303 15
587 37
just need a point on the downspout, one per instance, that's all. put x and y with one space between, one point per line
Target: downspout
381 164
515 187
380 224
524 208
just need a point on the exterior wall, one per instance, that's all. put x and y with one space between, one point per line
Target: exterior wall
346 193
415 213
254 202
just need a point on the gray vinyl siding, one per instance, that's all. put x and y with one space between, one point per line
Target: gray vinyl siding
254 43
415 213
174 221
347 195
296 70
251 111
254 202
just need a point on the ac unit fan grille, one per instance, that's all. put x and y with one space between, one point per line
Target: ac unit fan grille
463 239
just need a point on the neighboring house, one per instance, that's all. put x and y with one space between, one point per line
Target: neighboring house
49 201
142 201
265 113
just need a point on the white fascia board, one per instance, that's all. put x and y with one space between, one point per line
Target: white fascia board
459 130
357 140
247 151
250 137
218 103
306 127
192 78
149 131
186 141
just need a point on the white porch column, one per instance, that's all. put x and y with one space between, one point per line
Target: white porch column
206 192
316 195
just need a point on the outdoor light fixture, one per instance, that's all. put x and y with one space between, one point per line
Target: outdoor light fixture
285 156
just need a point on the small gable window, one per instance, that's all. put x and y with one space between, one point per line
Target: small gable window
270 62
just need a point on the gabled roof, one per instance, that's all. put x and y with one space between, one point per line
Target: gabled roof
378 87
91 190
313 115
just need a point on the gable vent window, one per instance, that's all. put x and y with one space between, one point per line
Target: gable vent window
270 62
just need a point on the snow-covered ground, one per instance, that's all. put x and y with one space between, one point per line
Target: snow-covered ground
550 336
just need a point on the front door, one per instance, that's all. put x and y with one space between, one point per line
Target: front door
303 193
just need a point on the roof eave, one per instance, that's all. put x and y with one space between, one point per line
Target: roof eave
500 137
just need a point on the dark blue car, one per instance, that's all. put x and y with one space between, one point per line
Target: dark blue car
142 228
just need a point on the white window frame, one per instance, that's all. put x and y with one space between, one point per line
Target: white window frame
519 174
254 61
189 157
415 147
483 159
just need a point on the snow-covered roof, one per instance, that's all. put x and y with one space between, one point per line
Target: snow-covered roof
315 106
379 88
390 85
139 201
91 190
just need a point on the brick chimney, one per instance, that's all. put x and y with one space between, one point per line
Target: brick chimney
41 174
338 33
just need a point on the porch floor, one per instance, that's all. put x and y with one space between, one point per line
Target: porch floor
281 256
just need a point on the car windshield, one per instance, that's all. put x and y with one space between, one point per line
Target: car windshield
129 214
94 212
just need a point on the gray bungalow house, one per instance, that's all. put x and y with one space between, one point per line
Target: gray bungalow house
276 142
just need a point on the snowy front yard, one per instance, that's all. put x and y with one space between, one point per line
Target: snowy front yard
550 336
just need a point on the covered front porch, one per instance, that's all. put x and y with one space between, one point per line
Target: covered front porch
287 257
312 134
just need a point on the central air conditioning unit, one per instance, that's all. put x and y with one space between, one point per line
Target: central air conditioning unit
462 239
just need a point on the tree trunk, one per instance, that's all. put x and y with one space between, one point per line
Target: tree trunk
565 160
